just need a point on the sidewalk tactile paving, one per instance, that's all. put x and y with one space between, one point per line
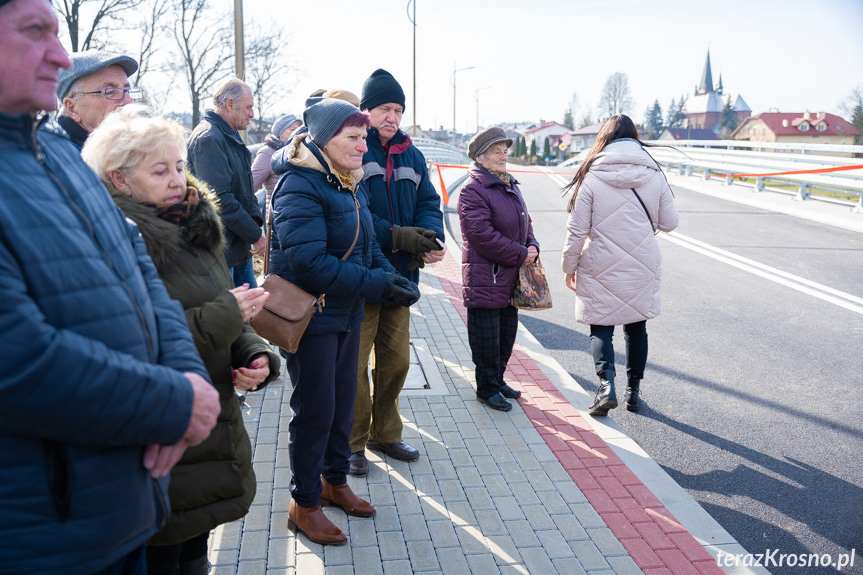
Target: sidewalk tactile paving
532 491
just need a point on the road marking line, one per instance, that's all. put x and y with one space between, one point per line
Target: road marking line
836 297
560 180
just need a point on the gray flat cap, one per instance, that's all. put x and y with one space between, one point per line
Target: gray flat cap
483 140
85 63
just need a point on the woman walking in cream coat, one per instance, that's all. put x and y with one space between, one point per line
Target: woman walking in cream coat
620 199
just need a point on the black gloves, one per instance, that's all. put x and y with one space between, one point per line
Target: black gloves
416 241
401 289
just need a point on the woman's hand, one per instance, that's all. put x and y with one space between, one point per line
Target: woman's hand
249 378
531 255
251 301
570 281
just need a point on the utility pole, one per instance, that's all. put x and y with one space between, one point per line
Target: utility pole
414 22
239 48
452 81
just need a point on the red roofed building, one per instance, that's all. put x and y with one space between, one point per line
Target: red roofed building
799 127
550 130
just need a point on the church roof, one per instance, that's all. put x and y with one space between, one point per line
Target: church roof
713 102
706 85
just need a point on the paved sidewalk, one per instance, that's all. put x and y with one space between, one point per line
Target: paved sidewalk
543 489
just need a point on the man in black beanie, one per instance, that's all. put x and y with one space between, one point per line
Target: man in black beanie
409 227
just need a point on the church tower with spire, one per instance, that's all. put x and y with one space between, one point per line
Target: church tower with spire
704 108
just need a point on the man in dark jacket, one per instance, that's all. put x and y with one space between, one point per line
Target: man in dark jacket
409 227
102 386
95 85
218 156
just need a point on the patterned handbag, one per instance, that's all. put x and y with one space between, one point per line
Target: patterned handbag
531 291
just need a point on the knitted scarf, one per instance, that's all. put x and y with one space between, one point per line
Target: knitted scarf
179 213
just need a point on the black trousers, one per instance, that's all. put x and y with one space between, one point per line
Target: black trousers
635 336
491 335
324 375
165 559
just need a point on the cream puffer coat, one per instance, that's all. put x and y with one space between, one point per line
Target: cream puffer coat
610 244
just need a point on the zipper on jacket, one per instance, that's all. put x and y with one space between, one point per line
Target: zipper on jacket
40 156
495 268
163 507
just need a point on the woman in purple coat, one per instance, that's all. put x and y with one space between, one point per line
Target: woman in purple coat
498 239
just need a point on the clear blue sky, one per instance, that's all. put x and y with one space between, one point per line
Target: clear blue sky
529 57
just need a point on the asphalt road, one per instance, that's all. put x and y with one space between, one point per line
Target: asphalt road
751 388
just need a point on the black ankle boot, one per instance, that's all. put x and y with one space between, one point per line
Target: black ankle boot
605 398
630 398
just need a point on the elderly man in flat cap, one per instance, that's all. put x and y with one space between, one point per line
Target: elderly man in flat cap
95 85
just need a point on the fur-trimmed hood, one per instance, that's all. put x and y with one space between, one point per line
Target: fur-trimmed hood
203 231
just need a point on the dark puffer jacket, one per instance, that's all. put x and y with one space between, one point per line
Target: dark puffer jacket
400 193
496 229
220 158
214 482
314 224
93 351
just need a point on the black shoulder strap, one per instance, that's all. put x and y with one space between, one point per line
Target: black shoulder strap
645 208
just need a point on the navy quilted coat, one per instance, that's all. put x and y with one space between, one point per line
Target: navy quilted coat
90 368
496 229
314 223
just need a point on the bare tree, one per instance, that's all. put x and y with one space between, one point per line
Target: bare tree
205 44
150 26
615 97
586 116
109 14
267 72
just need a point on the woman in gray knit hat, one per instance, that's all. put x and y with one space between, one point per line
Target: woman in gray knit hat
498 239
323 241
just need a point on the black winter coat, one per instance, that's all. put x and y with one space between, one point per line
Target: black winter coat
219 158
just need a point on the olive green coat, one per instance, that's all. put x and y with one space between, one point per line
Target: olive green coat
214 482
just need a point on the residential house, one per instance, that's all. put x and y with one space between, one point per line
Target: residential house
800 127
550 130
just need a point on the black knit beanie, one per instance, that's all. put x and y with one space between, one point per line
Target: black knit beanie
381 88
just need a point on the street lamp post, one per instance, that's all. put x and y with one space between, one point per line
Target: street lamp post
452 81
477 104
239 49
413 20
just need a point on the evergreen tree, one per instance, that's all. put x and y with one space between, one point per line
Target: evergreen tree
533 148
674 116
546 148
567 118
728 120
653 120
857 122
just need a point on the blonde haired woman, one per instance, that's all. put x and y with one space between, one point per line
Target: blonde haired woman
140 158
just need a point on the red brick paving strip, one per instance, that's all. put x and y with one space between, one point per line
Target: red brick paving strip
657 542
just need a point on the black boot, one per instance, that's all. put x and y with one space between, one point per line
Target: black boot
630 398
605 398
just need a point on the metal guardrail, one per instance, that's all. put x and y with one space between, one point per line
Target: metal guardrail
437 152
724 157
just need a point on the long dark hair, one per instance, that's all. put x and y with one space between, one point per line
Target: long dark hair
616 127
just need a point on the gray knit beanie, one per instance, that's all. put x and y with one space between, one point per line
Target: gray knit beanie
282 123
325 116
381 88
483 140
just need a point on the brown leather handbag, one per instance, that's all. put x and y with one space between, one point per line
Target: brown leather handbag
287 313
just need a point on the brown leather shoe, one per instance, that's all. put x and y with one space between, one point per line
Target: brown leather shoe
359 464
342 496
399 450
315 525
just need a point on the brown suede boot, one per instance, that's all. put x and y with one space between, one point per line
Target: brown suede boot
342 496
315 525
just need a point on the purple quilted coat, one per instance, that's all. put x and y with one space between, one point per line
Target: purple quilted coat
496 229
